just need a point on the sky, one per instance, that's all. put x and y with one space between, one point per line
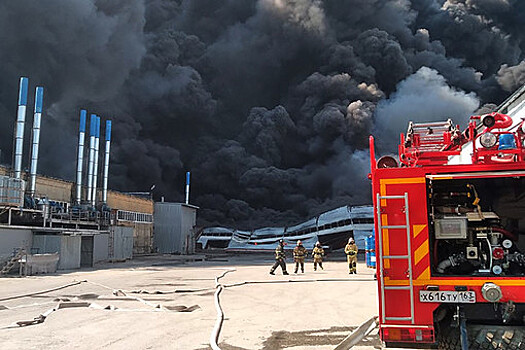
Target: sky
269 103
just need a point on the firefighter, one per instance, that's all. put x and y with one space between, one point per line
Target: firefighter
299 254
351 256
280 258
318 254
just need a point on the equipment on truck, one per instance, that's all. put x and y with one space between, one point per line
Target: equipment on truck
450 235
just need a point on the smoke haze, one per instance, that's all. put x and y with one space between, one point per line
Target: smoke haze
269 103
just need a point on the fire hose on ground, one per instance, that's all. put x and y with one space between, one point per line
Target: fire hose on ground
214 337
355 337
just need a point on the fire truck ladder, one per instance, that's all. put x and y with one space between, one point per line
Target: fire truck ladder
407 257
431 135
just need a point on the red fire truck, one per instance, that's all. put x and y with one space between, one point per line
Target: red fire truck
450 257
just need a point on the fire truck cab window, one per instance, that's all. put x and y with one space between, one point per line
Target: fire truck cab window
476 226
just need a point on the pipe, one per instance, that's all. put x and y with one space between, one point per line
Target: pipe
445 264
373 163
92 126
358 334
95 165
39 95
19 127
80 157
506 233
106 162
496 120
188 187
463 336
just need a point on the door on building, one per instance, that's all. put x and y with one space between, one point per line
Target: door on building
86 251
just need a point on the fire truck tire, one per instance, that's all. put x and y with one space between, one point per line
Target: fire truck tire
483 338
497 337
448 338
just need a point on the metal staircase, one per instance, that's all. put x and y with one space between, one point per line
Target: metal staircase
11 263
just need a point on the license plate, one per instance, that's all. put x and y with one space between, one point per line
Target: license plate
430 296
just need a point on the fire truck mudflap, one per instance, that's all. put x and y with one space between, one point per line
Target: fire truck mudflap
450 238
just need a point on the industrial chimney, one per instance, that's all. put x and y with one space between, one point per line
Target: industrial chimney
188 187
92 126
39 95
19 128
95 165
106 162
80 157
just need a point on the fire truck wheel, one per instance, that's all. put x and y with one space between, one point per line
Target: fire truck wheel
497 337
483 337
448 338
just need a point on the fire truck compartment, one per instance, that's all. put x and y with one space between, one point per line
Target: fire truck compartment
476 224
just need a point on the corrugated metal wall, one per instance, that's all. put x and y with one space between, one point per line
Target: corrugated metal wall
188 222
167 227
122 243
142 238
100 248
173 228
67 246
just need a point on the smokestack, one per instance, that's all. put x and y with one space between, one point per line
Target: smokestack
188 187
92 126
80 157
19 128
95 164
106 162
39 95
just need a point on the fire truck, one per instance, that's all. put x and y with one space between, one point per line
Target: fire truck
449 221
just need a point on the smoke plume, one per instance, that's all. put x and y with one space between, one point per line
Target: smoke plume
268 102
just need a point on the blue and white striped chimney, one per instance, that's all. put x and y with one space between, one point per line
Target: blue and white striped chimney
39 96
19 128
188 187
95 165
80 157
106 162
92 133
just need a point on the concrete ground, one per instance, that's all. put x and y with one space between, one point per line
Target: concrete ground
164 303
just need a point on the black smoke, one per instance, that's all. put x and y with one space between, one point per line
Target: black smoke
269 103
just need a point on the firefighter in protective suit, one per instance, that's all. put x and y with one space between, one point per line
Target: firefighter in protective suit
318 254
280 258
299 254
351 256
